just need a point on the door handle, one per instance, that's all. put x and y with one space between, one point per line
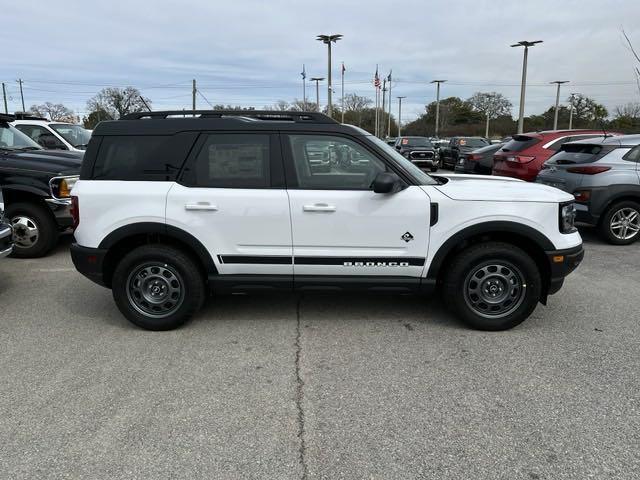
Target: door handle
202 206
319 207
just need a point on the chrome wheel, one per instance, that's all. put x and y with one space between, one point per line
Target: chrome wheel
155 290
494 289
625 223
25 231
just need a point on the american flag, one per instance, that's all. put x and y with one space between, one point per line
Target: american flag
343 69
376 79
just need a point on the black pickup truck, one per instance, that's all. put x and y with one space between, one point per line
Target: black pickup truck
450 154
36 185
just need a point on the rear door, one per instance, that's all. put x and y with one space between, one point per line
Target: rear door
231 197
340 227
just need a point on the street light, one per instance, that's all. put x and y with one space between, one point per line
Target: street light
400 113
328 39
555 116
523 86
571 109
437 82
317 80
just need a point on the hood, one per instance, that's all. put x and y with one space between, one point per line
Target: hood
498 189
53 161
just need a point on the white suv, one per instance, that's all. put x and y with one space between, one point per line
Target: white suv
53 135
168 208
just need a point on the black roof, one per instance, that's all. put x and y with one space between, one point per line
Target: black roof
174 121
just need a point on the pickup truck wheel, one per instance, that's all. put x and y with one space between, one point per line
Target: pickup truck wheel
492 286
158 287
621 224
35 231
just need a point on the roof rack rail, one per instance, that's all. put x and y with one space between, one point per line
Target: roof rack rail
274 115
28 116
7 117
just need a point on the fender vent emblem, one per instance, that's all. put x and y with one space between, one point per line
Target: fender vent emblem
407 237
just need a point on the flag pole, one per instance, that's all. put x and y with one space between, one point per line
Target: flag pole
342 106
389 120
384 105
304 90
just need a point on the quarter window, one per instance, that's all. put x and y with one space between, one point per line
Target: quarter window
633 155
231 160
324 162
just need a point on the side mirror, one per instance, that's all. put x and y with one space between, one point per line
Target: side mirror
398 147
386 182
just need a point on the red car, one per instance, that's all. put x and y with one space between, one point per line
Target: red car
523 156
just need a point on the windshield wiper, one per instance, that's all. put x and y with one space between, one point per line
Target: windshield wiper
81 145
24 149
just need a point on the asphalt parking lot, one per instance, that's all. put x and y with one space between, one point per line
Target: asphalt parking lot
319 387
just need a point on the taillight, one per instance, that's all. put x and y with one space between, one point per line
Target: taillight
588 170
582 195
75 211
520 159
473 158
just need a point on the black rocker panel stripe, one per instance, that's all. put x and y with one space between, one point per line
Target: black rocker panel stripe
355 261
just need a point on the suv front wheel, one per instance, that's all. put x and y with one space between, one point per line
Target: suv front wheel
158 287
493 286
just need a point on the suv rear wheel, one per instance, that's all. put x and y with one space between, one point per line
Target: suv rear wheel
621 224
493 286
35 231
158 287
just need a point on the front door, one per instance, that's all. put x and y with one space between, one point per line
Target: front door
340 227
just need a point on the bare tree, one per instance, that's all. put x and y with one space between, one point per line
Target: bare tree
280 105
302 106
630 110
356 103
491 105
56 112
118 101
636 69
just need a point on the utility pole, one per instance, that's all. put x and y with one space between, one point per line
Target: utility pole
4 95
437 82
571 110
342 93
523 85
555 116
328 39
400 114
317 80
194 90
21 94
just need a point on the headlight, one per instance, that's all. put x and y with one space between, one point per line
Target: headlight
567 217
61 186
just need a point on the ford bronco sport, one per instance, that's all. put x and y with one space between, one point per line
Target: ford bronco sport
168 208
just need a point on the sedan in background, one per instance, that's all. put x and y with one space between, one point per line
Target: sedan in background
479 161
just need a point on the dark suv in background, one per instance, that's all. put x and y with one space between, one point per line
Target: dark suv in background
450 155
36 185
419 150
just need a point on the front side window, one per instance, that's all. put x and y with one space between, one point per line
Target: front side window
13 139
231 160
42 136
324 162
74 134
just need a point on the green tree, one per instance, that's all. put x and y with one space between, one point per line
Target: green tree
492 105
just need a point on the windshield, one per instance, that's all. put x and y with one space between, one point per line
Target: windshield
74 134
419 175
13 139
572 153
473 142
416 142
519 143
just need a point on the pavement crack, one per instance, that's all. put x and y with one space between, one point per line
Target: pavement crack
302 448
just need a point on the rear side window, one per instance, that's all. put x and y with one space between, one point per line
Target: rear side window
580 153
633 155
142 157
231 160
519 143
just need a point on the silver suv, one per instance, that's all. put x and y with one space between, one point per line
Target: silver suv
603 174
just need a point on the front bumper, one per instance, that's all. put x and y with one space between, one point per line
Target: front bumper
89 262
561 264
6 240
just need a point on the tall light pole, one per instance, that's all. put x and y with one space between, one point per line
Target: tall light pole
400 113
571 110
437 82
523 86
328 40
555 116
317 80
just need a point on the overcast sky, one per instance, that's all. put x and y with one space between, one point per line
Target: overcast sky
252 52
